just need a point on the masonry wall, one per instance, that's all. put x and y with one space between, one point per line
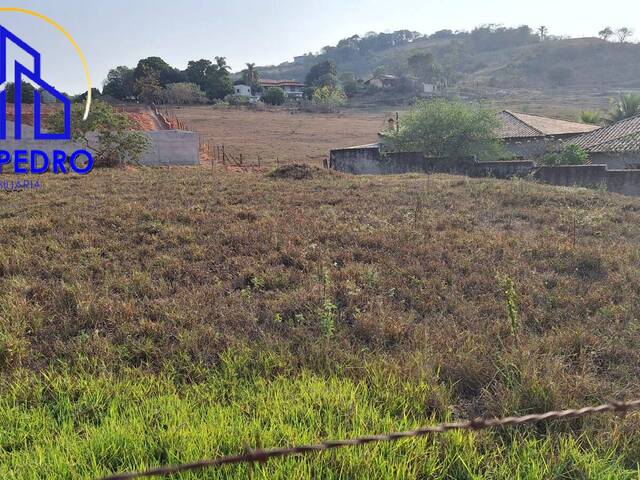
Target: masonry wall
172 147
616 161
369 161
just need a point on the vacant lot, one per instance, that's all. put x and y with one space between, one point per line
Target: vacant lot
163 315
280 134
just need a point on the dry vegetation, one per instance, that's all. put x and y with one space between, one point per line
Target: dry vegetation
282 134
267 293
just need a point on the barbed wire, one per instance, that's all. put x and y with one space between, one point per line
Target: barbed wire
253 456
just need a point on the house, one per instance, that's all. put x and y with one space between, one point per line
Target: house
532 136
616 146
383 81
242 90
292 89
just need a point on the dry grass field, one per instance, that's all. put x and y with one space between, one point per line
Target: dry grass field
281 134
153 316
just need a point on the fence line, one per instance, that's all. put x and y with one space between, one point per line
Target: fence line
253 456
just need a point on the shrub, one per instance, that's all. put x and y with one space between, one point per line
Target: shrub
106 131
183 93
444 128
274 96
237 100
328 99
569 155
590 117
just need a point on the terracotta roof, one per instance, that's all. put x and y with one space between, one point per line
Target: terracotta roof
522 125
622 136
265 82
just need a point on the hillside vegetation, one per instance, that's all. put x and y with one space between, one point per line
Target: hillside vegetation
487 56
164 315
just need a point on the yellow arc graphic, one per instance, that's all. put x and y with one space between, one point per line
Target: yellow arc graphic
59 27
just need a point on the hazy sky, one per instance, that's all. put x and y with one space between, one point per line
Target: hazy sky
119 32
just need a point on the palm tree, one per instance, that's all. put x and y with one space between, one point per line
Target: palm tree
251 76
627 105
543 31
221 63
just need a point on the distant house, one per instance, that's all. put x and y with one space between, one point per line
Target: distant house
617 146
383 81
532 136
292 89
242 90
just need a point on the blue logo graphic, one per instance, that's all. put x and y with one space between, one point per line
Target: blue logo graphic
22 72
41 160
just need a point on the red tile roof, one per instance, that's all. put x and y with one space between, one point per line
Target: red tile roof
522 125
265 82
622 136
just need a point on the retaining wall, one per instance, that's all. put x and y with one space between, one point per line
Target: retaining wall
368 160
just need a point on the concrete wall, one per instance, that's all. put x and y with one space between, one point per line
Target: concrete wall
168 147
369 161
172 147
626 182
529 149
616 161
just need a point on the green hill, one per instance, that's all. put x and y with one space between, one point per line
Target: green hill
487 56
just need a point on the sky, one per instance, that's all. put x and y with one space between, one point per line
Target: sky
120 32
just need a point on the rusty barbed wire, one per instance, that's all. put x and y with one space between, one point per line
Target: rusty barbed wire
253 456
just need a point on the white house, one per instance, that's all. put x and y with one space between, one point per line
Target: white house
291 88
242 90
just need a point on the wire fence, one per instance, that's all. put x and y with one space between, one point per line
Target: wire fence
253 456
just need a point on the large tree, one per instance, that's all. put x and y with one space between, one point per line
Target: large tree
212 78
422 66
27 92
166 73
320 72
444 128
119 83
605 33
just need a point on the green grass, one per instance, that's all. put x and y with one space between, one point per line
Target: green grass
61 425
160 315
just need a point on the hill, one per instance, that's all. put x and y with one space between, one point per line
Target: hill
487 56
167 315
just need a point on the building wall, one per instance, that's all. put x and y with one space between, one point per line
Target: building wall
616 161
369 161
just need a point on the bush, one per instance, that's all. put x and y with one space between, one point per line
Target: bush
115 142
274 96
328 99
569 155
237 100
590 117
183 93
443 128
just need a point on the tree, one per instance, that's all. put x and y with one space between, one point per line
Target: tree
147 85
319 71
543 31
95 95
183 93
444 128
421 65
107 132
274 96
166 73
349 84
27 92
328 99
590 117
212 78
626 106
569 155
119 83
605 33
624 34
251 77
